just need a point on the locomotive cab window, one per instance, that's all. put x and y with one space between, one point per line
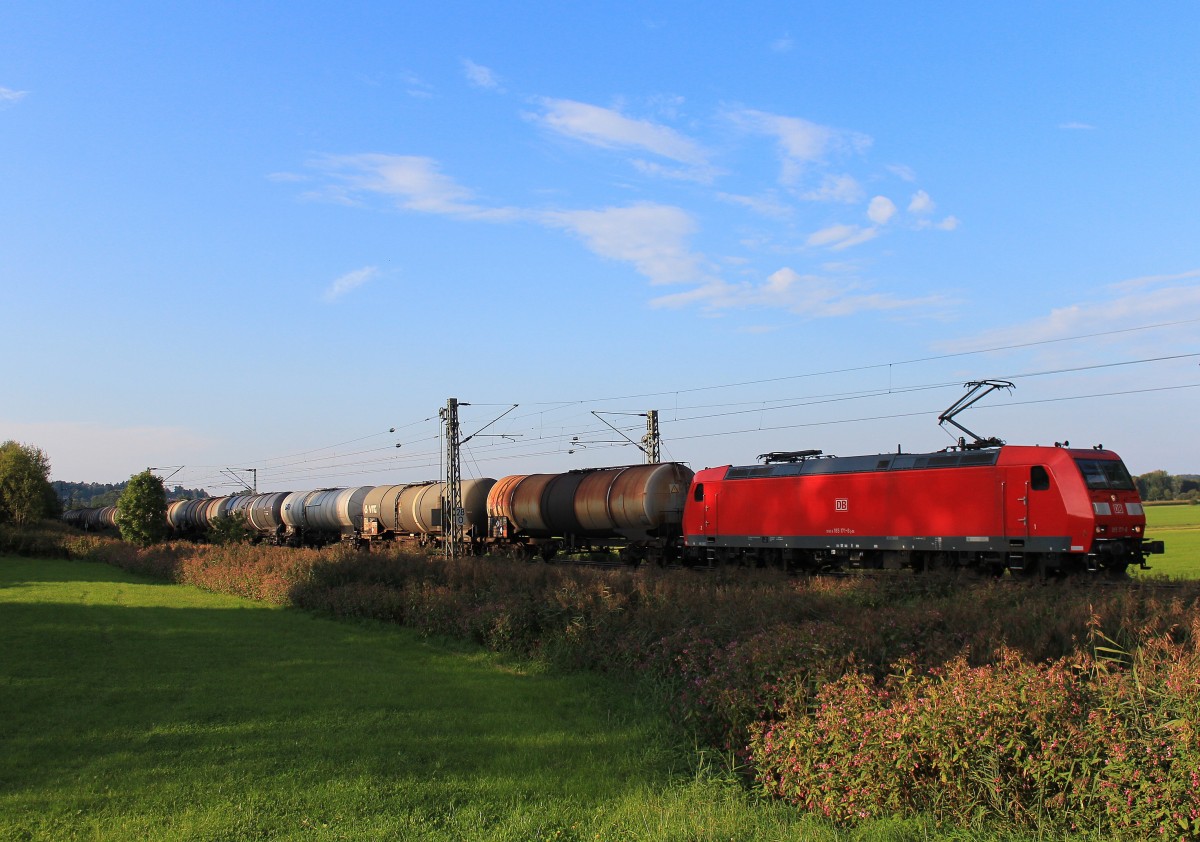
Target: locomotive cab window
698 492
1100 474
1039 478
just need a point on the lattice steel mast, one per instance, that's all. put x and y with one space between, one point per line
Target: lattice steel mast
452 511
652 443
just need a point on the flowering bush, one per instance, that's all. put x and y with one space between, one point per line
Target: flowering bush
1074 743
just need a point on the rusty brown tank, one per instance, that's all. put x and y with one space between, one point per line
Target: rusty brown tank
635 502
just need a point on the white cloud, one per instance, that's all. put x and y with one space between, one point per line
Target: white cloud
881 210
414 182
903 172
767 205
808 295
415 86
676 173
610 129
1155 280
948 224
836 188
838 237
802 143
654 238
921 203
480 76
10 97
1074 126
349 281
783 45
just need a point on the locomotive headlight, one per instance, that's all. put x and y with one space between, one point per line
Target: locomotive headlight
1100 530
1137 530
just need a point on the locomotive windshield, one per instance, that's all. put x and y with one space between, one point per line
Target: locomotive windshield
1102 474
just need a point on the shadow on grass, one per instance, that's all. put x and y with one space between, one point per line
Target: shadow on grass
131 704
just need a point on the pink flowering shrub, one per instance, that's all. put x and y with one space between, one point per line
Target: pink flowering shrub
1077 743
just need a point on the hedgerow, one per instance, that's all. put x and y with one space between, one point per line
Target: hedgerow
1029 705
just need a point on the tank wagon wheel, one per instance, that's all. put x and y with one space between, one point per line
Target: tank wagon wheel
518 551
548 551
631 556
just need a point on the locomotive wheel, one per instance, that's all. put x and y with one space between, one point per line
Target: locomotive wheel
1117 570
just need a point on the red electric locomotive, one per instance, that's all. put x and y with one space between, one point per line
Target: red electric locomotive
983 505
1022 508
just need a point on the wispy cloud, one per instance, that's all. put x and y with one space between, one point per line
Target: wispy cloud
413 182
415 86
349 281
809 295
610 129
950 223
835 188
1144 300
10 97
480 76
767 204
801 142
1078 127
653 238
783 44
838 237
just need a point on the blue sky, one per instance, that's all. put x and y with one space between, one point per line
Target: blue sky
264 235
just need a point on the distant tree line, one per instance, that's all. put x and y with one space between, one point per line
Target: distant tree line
88 495
1159 485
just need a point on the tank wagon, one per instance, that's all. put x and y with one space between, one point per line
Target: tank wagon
1020 508
637 508
93 519
413 512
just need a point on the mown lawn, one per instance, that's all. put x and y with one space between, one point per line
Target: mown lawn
1179 528
135 710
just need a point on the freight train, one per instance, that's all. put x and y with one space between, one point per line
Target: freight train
992 508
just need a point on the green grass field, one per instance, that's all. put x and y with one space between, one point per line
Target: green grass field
141 711
1179 528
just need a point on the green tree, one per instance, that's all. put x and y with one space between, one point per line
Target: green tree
231 529
1156 485
25 491
142 510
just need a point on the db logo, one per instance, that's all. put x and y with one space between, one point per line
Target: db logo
841 504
